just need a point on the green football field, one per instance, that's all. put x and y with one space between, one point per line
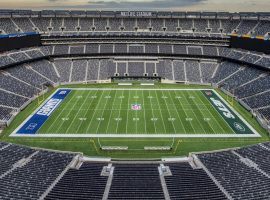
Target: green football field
186 108
134 112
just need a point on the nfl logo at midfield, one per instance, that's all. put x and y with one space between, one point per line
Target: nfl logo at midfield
136 107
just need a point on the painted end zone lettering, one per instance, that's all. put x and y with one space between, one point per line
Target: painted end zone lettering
33 124
232 119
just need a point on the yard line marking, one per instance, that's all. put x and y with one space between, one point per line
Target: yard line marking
119 112
144 113
111 112
136 116
78 111
202 127
75 102
192 110
160 112
169 112
127 113
90 123
103 112
153 114
198 96
67 116
184 111
85 114
178 114
59 116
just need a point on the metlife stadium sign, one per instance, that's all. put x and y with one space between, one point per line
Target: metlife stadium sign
136 14
19 40
17 35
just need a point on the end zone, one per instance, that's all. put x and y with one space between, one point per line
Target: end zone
33 123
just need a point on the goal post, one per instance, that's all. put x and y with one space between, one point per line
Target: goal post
42 96
40 92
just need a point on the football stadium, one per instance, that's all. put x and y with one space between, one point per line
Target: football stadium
134 105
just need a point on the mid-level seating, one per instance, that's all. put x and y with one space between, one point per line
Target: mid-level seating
193 71
240 78
16 86
253 87
27 80
46 69
5 60
64 69
93 68
179 70
208 69
225 70
28 75
11 100
79 70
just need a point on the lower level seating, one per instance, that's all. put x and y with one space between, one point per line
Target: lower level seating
27 173
135 181
188 183
240 174
83 183
238 177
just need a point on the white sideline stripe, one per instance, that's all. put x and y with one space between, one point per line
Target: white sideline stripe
150 89
64 135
